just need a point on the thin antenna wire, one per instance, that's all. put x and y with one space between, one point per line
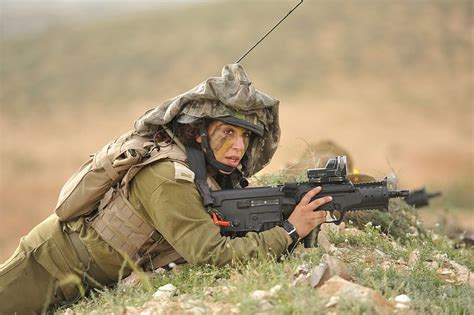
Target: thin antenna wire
264 36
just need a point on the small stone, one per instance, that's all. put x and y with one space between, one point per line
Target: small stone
208 292
370 259
431 264
402 306
402 298
414 258
258 295
299 280
69 311
380 253
332 301
323 238
328 267
160 271
302 269
275 289
463 274
336 286
165 292
171 265
317 274
134 279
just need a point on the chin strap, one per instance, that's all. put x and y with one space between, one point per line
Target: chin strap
211 159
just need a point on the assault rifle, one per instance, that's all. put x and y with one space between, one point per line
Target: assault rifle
420 197
257 209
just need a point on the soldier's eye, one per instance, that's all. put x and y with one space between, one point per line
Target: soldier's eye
247 134
228 131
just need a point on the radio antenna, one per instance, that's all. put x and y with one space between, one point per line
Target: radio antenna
264 36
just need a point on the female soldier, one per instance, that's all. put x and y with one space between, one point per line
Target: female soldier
208 138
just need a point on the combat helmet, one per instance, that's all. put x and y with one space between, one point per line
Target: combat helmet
232 98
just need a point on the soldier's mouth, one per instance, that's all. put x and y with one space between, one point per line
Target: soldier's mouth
232 161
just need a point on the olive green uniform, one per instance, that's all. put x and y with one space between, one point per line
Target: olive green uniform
45 268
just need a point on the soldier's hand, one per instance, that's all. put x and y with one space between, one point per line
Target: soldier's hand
304 218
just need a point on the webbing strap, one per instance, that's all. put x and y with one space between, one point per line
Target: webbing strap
92 269
197 164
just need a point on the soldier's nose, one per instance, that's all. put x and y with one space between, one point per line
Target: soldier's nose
239 143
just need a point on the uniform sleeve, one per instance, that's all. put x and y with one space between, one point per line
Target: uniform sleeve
176 211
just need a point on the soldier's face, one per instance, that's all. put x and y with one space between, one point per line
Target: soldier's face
228 142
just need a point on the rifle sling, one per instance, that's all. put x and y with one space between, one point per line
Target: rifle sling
197 164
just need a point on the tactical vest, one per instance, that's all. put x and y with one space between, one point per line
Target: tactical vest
120 225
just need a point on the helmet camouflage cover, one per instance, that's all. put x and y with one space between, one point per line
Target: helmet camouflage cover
230 95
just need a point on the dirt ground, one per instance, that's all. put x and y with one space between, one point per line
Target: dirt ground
432 149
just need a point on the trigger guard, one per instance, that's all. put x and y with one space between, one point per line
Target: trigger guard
335 220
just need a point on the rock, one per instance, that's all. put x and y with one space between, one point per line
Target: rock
402 298
380 253
160 271
431 264
299 280
447 275
171 265
414 258
317 276
370 259
323 237
165 292
302 270
332 301
463 274
401 306
328 267
275 289
338 287
135 279
258 295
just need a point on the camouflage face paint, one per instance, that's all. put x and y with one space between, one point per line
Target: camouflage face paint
228 142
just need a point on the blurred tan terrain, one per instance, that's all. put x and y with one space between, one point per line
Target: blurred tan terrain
392 82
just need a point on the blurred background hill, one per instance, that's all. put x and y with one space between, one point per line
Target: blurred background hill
390 81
